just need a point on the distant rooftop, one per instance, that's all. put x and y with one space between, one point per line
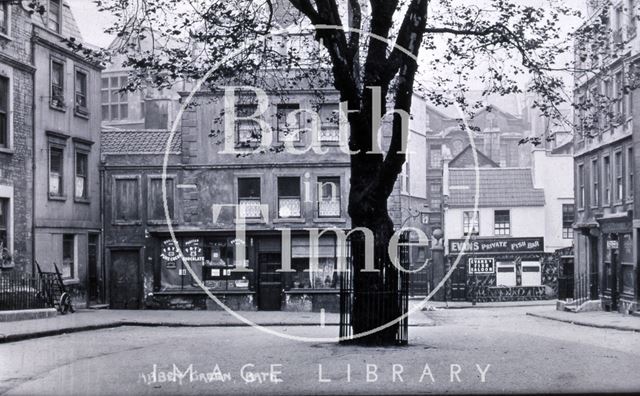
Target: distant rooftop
145 141
499 187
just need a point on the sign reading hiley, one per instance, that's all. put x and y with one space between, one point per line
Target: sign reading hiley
497 245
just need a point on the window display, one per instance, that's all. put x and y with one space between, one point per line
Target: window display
324 276
211 260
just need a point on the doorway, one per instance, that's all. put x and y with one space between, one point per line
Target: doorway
459 284
614 279
269 282
593 269
125 280
95 271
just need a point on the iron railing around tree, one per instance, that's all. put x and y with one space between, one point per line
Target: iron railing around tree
385 299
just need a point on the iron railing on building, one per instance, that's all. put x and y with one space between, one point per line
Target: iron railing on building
24 291
385 299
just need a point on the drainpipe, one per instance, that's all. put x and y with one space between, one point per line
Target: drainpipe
33 161
103 250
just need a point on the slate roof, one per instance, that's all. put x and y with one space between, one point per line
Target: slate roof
145 141
499 187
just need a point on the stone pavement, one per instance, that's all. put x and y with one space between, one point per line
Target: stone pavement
84 320
465 304
599 319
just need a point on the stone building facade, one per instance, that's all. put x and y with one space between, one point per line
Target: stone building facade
606 158
66 189
16 138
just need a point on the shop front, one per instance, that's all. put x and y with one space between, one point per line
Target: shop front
618 271
213 264
501 269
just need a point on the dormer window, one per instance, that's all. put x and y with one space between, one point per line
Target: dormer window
4 18
54 15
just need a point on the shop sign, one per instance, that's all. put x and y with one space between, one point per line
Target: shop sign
612 244
193 250
496 245
169 253
481 265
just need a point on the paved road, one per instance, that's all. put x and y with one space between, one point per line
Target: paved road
509 350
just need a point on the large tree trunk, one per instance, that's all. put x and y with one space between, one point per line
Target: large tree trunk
376 294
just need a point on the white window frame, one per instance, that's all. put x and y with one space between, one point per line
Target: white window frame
87 195
618 176
75 278
501 231
470 229
595 182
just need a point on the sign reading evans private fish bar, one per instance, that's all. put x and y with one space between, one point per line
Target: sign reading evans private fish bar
496 245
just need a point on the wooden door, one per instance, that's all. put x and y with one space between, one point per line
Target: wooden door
96 279
269 282
124 280
459 283
615 294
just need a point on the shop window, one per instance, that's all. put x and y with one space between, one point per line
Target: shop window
470 222
630 171
568 217
174 271
289 197
502 222
68 256
4 112
56 171
115 104
304 277
288 130
329 203
156 201
617 157
219 263
248 132
82 174
249 197
506 274
435 152
126 200
531 274
606 196
81 93
627 265
595 183
54 15
57 84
